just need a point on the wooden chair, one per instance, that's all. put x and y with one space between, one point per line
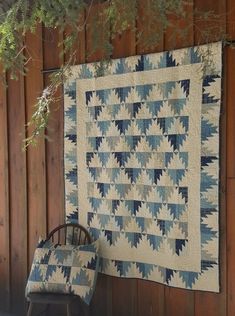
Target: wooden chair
74 234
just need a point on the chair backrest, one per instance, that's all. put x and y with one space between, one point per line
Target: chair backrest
70 233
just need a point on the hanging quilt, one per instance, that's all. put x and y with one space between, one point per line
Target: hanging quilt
142 163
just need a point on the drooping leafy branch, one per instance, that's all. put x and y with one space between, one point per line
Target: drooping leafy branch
114 17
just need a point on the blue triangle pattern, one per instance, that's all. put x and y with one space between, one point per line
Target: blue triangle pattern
143 91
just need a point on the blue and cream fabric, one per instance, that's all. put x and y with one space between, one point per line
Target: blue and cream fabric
142 164
64 269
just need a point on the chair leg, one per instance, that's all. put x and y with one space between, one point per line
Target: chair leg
68 310
30 309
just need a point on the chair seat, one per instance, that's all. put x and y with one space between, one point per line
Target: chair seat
51 298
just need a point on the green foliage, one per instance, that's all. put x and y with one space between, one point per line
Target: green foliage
112 18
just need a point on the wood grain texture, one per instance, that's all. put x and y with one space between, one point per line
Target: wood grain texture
4 204
151 298
17 193
55 133
180 32
147 24
36 186
210 21
230 62
210 304
31 195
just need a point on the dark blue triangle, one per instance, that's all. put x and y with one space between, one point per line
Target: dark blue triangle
72 138
72 176
184 192
155 174
91 265
185 85
169 274
176 140
103 188
122 157
206 160
93 172
89 157
119 220
98 141
206 264
122 93
184 120
90 216
133 173
108 235
207 98
88 96
140 64
168 157
115 204
122 125
179 244
170 62
72 217
136 108
207 80
133 206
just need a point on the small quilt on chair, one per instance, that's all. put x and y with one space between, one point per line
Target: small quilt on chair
64 269
142 164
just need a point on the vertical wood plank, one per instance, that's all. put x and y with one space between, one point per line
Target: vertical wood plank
180 33
151 298
96 39
230 64
124 295
4 205
54 147
17 193
212 27
231 19
230 95
212 304
147 24
35 155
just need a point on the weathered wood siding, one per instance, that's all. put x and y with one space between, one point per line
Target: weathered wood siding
32 187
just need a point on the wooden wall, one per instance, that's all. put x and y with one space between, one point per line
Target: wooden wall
32 188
